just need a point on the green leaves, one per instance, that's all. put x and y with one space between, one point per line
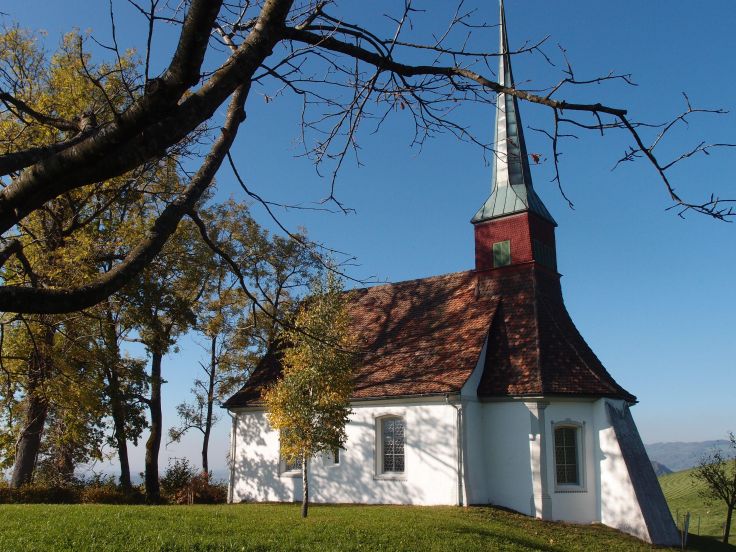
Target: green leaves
310 404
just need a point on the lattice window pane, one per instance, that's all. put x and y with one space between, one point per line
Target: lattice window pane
566 456
294 465
393 444
399 463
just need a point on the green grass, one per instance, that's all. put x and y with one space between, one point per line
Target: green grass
104 528
682 493
81 528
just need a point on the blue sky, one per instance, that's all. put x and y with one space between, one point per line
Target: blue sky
652 294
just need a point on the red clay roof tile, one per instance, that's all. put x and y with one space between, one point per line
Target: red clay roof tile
425 336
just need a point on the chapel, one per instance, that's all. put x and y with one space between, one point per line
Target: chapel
475 387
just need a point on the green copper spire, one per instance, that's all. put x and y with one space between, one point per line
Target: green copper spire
511 190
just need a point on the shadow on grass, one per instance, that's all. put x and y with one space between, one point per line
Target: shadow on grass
708 544
500 538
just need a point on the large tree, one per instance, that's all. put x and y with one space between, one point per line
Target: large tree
306 47
162 303
47 356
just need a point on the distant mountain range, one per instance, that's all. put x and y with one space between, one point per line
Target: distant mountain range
672 457
660 469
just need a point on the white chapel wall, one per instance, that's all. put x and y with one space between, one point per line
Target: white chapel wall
579 504
475 452
619 506
496 461
430 449
505 431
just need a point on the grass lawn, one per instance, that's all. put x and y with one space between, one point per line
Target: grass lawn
682 495
36 527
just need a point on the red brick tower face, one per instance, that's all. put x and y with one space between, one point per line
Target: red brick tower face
513 240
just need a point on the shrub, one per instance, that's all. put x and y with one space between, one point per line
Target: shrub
104 490
206 491
179 485
38 494
176 480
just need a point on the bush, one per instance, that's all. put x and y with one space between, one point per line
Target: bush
179 485
206 491
98 489
104 490
38 494
176 480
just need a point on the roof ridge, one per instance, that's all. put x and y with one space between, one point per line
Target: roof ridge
424 279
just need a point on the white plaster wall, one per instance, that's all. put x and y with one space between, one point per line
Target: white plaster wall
256 462
496 461
475 464
578 505
618 504
505 431
475 468
431 460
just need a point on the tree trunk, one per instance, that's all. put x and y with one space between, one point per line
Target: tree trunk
117 403
26 450
121 441
37 406
64 462
305 487
210 402
153 445
727 529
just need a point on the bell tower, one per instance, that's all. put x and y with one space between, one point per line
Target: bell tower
513 226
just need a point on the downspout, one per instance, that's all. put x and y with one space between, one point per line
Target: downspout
233 432
459 448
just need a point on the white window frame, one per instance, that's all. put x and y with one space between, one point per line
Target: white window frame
328 457
283 472
379 473
579 427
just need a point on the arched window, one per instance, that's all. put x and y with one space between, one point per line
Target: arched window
569 465
390 442
566 456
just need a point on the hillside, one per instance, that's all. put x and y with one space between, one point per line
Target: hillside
679 456
660 469
681 491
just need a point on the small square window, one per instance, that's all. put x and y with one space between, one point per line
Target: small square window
502 253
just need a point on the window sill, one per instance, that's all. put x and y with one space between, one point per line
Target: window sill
291 474
571 489
390 476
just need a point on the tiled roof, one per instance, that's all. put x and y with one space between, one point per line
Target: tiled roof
418 337
425 336
533 346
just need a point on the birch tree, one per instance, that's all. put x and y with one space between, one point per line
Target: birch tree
310 403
